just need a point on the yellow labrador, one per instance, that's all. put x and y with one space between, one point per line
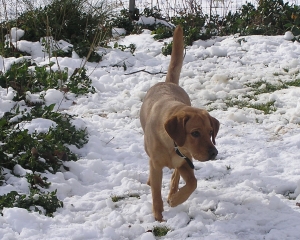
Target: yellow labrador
174 133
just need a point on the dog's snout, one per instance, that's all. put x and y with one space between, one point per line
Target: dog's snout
212 152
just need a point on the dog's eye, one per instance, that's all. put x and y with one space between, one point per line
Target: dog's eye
211 133
195 134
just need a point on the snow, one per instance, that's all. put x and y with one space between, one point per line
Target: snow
150 20
249 192
288 36
38 125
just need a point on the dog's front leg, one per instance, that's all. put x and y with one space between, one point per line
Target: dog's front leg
174 183
190 185
155 180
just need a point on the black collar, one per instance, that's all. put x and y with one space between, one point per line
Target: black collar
190 163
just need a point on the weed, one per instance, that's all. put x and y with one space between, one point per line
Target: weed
265 87
236 103
22 78
123 21
83 25
295 83
79 82
131 47
61 53
167 49
9 50
86 49
162 32
193 25
152 12
116 198
160 231
286 70
45 203
290 195
266 108
39 151
35 180
134 195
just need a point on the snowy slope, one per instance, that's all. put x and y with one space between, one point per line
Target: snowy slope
249 192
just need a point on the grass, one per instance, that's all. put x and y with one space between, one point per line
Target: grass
258 88
160 231
295 83
117 198
266 108
261 87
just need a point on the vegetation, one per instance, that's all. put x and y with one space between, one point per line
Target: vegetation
86 28
270 17
44 203
266 108
160 231
116 198
38 152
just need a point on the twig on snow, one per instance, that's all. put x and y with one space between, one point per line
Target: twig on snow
143 70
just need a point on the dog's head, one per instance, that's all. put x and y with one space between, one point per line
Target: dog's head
194 130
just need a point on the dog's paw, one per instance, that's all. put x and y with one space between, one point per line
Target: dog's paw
171 202
158 217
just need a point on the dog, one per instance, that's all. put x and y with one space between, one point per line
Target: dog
174 133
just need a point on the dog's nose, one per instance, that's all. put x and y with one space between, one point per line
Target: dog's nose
212 152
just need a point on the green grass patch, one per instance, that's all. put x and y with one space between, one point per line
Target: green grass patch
261 87
117 198
295 83
160 231
167 49
266 108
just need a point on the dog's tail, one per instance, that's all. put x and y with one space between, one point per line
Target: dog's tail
176 56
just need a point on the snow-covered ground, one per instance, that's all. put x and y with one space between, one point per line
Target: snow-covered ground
249 192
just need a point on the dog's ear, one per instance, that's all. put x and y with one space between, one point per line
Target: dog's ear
215 125
175 127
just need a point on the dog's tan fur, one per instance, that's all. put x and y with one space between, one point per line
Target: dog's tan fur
167 117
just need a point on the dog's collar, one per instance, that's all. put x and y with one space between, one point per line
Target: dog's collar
190 163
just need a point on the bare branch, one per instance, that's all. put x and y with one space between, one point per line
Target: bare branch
143 70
